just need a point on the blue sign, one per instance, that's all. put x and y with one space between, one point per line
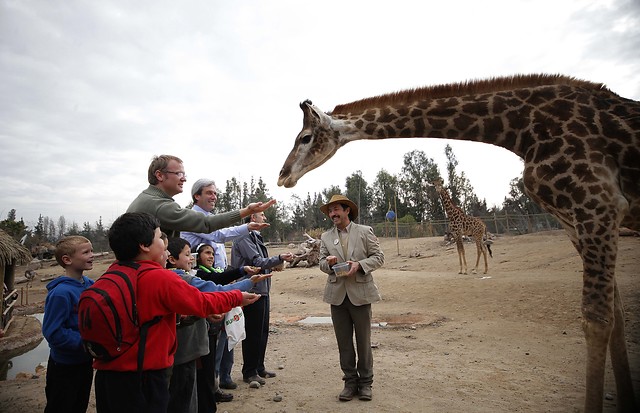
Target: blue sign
391 215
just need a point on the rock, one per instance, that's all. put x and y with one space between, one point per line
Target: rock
23 376
41 368
254 385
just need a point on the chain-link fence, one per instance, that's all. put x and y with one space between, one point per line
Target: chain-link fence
496 224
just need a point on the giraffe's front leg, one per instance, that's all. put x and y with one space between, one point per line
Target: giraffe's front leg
480 250
598 317
461 257
597 334
620 359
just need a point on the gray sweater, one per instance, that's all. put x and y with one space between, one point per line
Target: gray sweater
173 218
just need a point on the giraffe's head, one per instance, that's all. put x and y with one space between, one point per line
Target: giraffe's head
314 145
438 184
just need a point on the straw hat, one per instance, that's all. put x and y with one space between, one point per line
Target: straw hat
341 199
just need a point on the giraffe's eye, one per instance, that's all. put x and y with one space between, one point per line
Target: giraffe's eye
305 139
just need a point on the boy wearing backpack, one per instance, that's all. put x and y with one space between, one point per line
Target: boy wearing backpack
69 371
138 381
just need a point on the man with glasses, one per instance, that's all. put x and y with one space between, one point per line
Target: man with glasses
166 178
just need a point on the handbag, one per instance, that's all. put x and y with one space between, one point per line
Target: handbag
234 326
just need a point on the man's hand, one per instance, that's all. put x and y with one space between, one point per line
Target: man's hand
259 277
249 298
214 318
251 270
286 256
355 266
256 207
254 226
332 260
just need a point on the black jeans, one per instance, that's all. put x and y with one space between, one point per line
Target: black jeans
206 378
182 388
132 392
254 346
68 387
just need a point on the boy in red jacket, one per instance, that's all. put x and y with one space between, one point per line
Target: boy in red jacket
119 387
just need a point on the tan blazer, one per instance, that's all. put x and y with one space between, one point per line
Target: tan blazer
363 246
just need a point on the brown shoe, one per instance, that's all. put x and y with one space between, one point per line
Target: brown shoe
255 378
266 374
220 396
365 393
347 393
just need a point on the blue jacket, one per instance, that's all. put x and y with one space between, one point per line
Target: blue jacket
60 322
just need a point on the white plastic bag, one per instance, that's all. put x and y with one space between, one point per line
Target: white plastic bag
234 326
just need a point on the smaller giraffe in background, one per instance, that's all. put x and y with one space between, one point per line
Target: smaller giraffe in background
461 224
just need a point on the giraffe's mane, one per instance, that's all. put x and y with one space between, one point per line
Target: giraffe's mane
495 84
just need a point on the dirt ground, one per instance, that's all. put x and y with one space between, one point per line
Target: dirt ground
510 340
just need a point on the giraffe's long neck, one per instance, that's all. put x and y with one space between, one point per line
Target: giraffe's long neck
475 120
506 118
449 207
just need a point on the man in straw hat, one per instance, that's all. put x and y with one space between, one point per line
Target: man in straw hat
351 292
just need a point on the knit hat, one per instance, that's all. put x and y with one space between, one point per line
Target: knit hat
199 184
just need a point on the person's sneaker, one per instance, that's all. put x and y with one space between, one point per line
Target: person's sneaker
222 397
255 378
347 393
266 374
365 393
229 385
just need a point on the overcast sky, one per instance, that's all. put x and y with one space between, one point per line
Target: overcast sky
90 91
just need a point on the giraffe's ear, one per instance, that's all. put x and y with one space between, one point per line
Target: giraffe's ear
311 112
305 103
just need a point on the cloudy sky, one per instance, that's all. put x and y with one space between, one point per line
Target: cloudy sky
90 91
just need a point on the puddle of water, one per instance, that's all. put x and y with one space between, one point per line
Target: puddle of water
327 320
315 320
28 361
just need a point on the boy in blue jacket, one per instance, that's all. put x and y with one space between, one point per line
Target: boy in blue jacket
69 370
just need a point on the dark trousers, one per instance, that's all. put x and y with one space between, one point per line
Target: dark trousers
132 392
224 359
347 319
254 346
68 387
182 388
206 378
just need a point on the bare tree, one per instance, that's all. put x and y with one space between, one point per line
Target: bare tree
62 225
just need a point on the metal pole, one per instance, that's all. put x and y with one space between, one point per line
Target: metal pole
395 207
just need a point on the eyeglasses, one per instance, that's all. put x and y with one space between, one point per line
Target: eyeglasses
179 174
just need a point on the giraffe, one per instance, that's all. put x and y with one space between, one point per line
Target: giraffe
461 224
580 143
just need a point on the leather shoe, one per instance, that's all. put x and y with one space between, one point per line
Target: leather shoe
365 393
222 397
229 385
266 374
255 378
347 393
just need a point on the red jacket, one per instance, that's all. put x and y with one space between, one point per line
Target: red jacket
161 293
